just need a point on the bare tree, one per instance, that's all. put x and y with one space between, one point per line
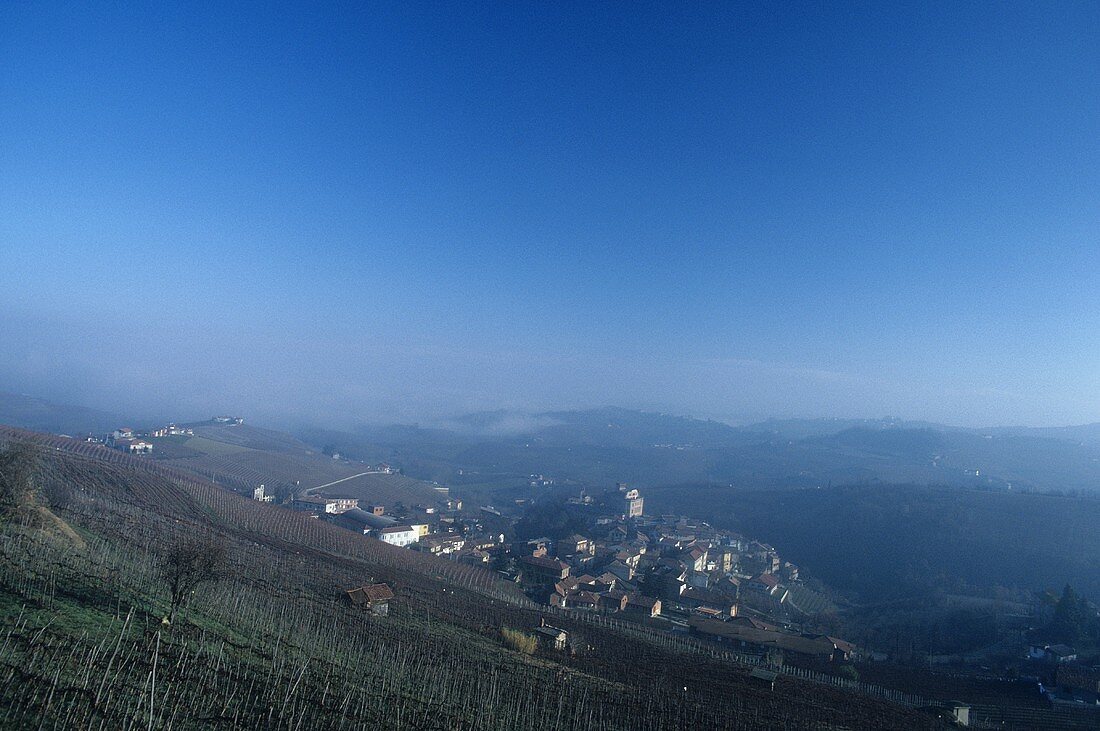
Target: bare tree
187 564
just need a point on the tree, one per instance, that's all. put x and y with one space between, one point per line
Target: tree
19 463
187 564
1071 616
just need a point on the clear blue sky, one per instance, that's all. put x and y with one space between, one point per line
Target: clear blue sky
405 211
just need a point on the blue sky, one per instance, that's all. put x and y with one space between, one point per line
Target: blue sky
404 211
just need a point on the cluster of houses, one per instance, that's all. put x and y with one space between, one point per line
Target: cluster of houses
172 430
438 530
671 569
126 439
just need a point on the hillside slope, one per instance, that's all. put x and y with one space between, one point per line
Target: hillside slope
270 646
245 457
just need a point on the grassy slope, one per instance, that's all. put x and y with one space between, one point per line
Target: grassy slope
83 645
244 457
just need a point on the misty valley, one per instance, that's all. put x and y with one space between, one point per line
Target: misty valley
810 563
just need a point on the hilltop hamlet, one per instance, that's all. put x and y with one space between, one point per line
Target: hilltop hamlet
298 623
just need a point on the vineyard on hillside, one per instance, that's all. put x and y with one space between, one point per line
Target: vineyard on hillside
386 489
269 645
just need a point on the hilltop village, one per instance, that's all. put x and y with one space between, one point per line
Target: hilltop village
602 554
668 571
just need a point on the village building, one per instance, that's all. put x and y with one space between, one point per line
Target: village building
544 569
642 605
361 521
330 505
398 535
581 600
633 504
441 545
766 584
472 557
576 545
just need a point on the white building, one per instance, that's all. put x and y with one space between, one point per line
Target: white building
398 535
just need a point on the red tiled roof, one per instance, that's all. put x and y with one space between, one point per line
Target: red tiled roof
371 593
545 562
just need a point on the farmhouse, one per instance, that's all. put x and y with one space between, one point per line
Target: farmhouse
133 446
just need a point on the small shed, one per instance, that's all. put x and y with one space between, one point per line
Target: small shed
760 676
551 638
372 597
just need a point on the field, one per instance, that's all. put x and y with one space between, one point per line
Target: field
269 646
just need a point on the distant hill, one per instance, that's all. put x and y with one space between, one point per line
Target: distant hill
601 446
38 414
805 428
607 427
